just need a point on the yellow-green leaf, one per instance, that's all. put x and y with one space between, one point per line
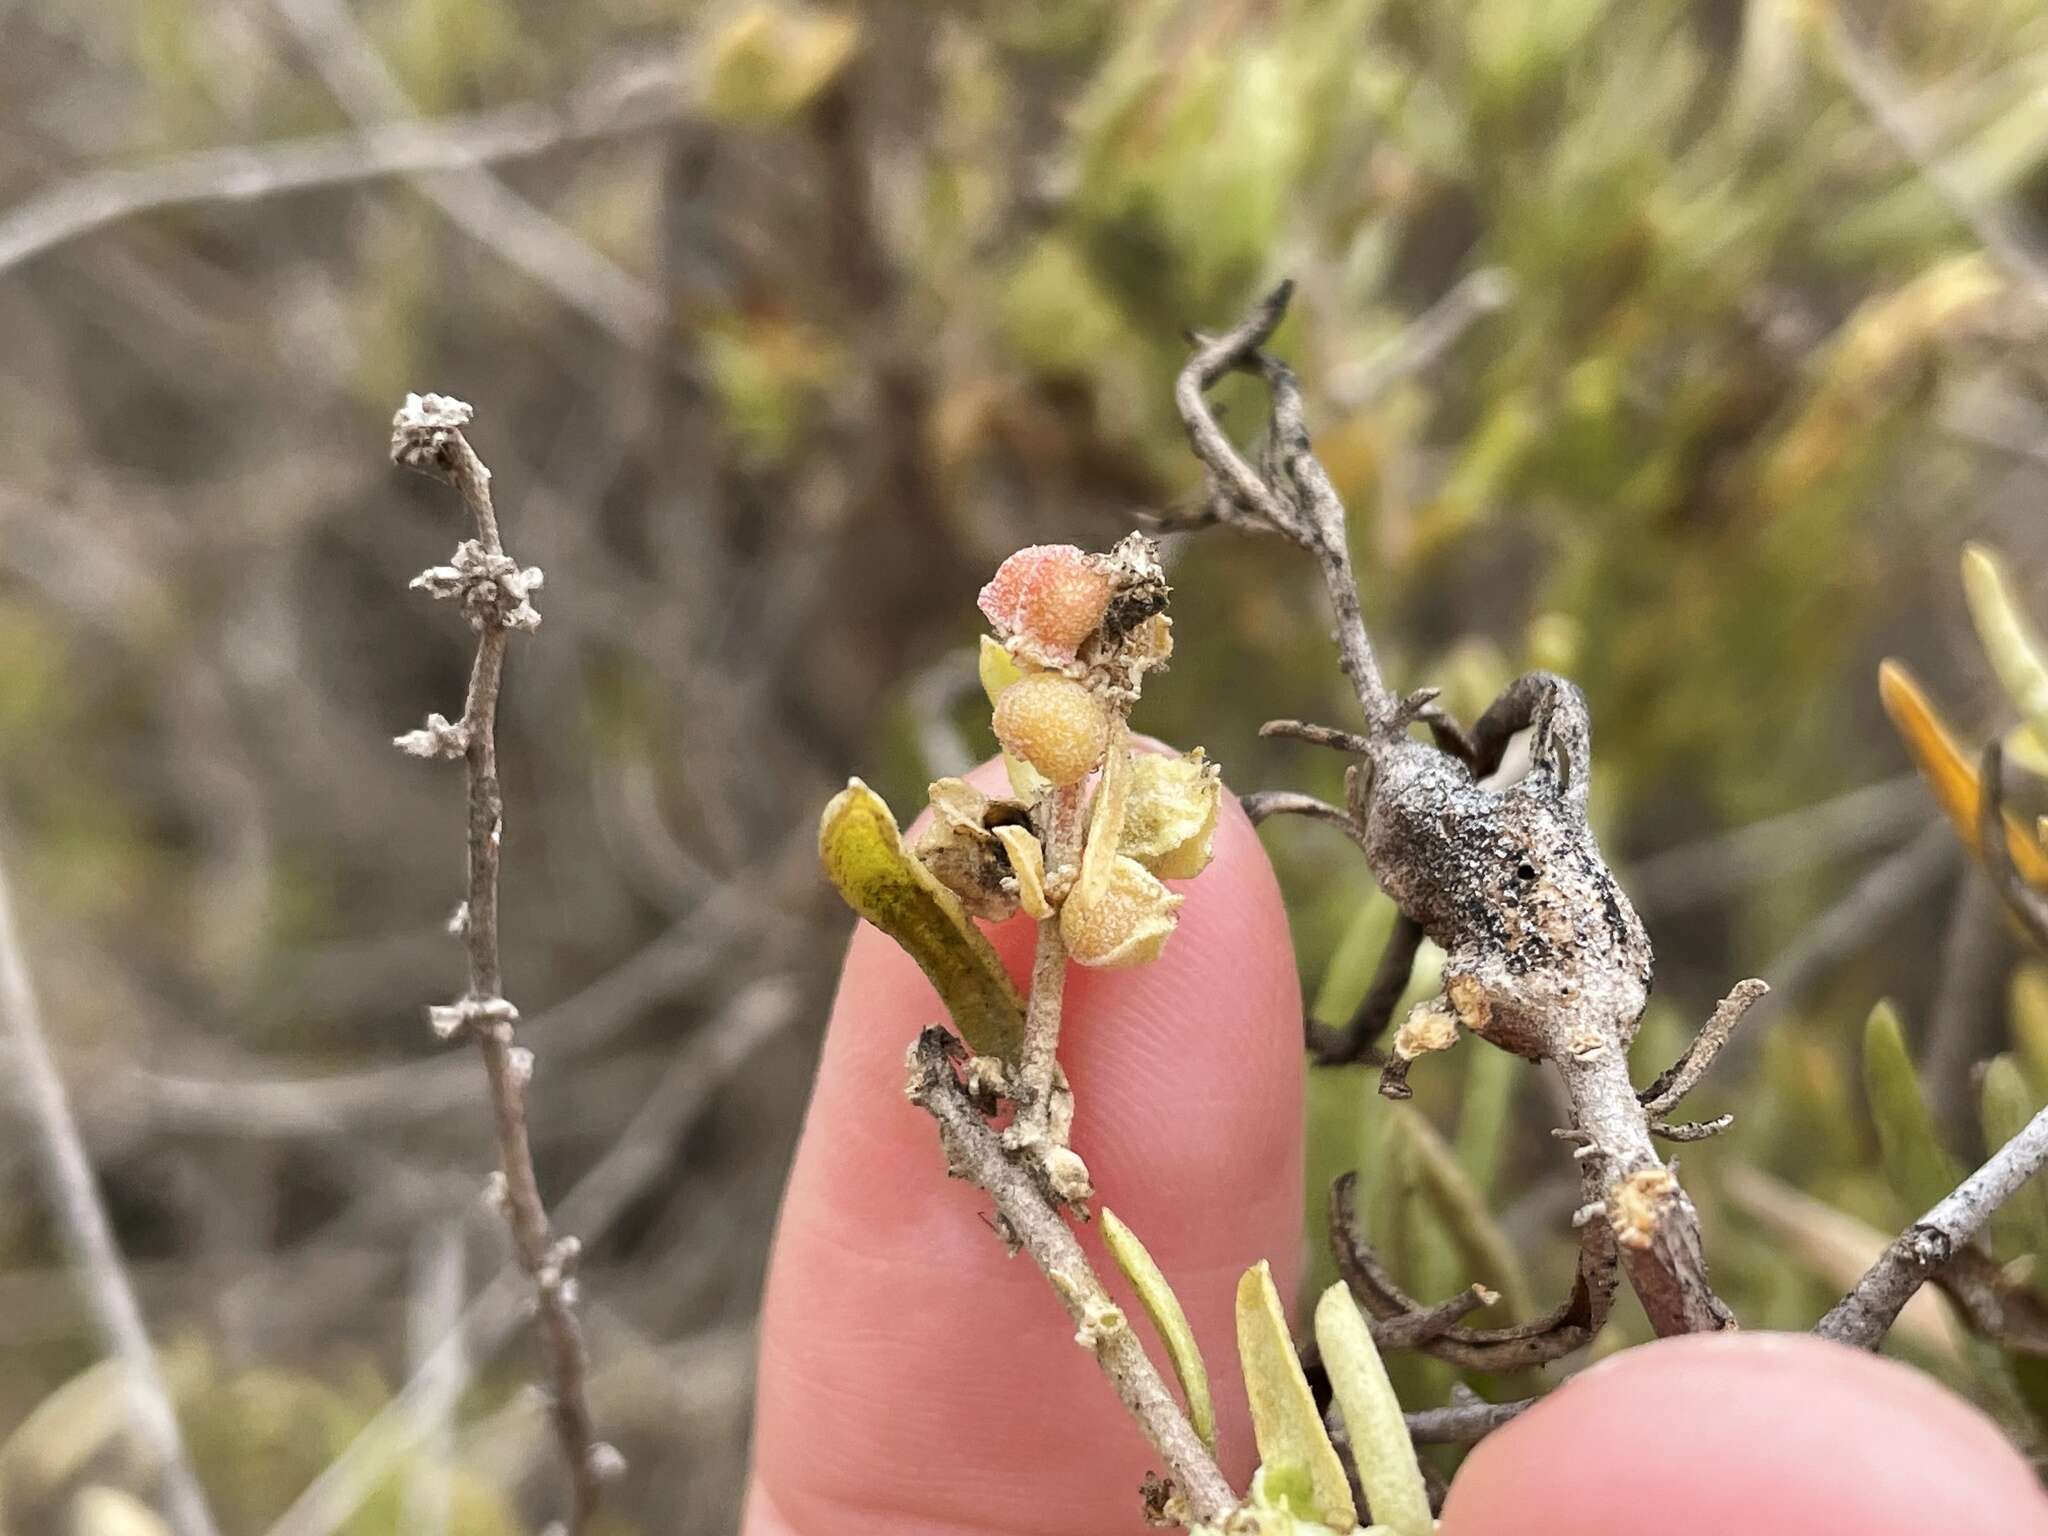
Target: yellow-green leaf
1920 1168
863 853
1292 1440
1169 1320
2009 641
1380 1447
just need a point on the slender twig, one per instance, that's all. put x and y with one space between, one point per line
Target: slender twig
644 1151
494 593
1309 513
433 1310
82 1219
478 203
1676 1081
638 100
974 1152
1463 1423
1457 852
1425 339
1864 1315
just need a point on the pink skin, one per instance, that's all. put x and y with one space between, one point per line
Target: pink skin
914 1380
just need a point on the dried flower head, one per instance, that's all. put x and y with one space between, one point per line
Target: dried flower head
1058 726
1052 596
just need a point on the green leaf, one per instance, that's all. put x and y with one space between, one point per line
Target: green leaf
1168 1320
2009 641
2009 1102
1290 1432
1920 1168
1380 1446
863 853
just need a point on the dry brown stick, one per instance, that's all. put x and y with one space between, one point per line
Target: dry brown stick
1865 1315
426 435
82 1219
975 1153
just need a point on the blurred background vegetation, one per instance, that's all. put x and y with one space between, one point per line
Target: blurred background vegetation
1678 346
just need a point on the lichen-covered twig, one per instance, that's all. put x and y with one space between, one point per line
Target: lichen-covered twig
1029 1220
495 593
82 1220
1545 956
1865 1315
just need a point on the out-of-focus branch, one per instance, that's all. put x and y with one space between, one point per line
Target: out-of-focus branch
645 1148
638 99
482 206
1865 1315
67 1171
495 594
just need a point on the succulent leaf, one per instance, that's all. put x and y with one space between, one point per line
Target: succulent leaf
1169 1320
863 853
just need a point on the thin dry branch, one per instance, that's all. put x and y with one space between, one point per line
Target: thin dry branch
636 100
1399 1321
1865 1315
494 593
1545 956
644 1151
478 203
1029 1220
1293 496
82 1219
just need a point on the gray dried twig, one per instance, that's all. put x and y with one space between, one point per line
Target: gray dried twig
1865 1315
82 1219
634 101
495 595
1545 956
1030 1220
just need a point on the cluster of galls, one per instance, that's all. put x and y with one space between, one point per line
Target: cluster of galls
1075 634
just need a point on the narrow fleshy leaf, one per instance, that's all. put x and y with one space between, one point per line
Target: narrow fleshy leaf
863 853
1949 771
1290 1432
2008 1103
2009 641
1169 1321
1920 1168
1380 1447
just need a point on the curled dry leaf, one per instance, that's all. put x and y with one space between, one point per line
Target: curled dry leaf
961 849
